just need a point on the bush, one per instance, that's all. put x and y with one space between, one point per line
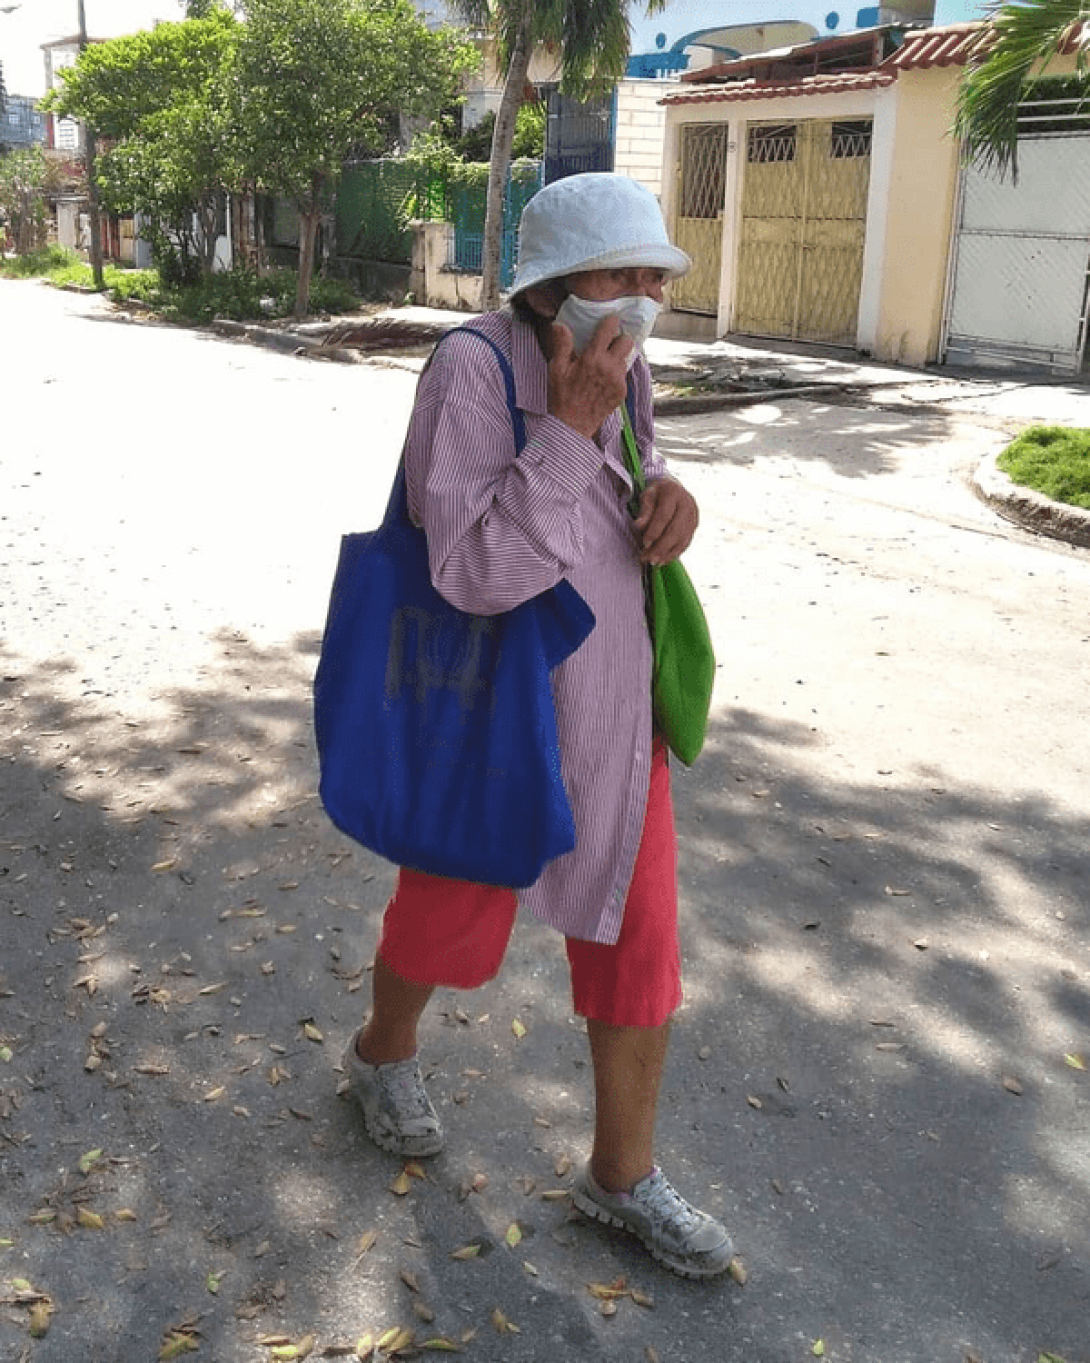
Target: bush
239 295
44 261
1052 460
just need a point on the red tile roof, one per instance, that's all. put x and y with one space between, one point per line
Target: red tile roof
956 43
950 46
764 89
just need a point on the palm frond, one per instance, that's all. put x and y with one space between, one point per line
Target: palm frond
1020 42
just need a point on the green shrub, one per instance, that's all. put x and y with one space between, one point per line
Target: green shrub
1052 460
243 295
41 262
240 295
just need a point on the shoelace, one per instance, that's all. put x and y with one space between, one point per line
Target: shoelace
407 1091
665 1203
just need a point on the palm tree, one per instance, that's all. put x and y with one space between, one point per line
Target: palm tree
1022 38
592 37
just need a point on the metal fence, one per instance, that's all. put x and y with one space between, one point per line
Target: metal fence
375 199
467 212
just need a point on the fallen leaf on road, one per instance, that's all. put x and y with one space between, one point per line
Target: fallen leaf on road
176 1344
89 1160
512 1235
519 1028
1075 1061
40 1314
738 1272
1012 1085
608 1291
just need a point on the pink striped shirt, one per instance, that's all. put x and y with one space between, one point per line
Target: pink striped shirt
500 530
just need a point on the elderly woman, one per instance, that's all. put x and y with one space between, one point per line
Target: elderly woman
502 527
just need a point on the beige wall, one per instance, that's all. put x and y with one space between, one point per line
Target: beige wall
921 166
641 125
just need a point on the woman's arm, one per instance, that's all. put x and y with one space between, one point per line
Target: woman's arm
500 529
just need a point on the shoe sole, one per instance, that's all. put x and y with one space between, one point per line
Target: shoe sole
597 1212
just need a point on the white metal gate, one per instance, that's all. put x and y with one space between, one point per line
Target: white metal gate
1018 287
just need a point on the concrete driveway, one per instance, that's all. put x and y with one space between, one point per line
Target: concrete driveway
877 1075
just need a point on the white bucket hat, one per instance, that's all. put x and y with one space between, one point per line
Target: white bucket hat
596 221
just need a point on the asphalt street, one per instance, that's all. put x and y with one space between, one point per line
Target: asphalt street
878 1078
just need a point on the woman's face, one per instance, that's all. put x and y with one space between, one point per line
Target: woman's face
597 286
602 286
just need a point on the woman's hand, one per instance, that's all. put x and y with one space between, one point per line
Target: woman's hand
666 522
584 389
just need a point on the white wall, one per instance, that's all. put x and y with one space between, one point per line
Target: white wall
640 130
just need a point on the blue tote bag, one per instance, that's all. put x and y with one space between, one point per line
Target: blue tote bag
435 728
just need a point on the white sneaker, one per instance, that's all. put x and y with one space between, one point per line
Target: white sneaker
397 1112
686 1240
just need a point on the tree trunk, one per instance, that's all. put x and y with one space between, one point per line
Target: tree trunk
308 232
503 138
207 216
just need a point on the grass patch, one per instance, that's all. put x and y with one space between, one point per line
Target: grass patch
239 295
1052 460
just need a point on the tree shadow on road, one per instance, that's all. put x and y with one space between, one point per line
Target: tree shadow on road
868 1078
853 442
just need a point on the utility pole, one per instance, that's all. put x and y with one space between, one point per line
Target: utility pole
92 183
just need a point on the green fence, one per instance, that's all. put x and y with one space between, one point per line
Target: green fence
371 201
374 199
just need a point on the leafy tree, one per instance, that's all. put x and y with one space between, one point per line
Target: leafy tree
26 178
592 38
318 80
160 100
1021 40
475 144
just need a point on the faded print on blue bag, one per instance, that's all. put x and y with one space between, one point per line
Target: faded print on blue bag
433 653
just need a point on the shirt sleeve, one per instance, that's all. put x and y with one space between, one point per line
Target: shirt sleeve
500 528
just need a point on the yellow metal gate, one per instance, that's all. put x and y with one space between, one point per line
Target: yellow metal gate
698 223
804 208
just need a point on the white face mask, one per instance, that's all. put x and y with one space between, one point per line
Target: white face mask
637 315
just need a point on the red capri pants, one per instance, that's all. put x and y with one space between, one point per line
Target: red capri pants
453 933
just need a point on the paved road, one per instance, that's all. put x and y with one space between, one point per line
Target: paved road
883 880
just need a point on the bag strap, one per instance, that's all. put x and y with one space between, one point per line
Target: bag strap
398 506
517 419
632 452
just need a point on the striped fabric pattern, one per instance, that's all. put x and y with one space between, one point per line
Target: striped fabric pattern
500 530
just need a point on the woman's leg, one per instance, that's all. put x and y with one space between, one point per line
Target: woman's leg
434 932
628 1063
397 1006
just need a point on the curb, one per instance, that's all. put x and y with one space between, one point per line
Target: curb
292 342
1030 509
